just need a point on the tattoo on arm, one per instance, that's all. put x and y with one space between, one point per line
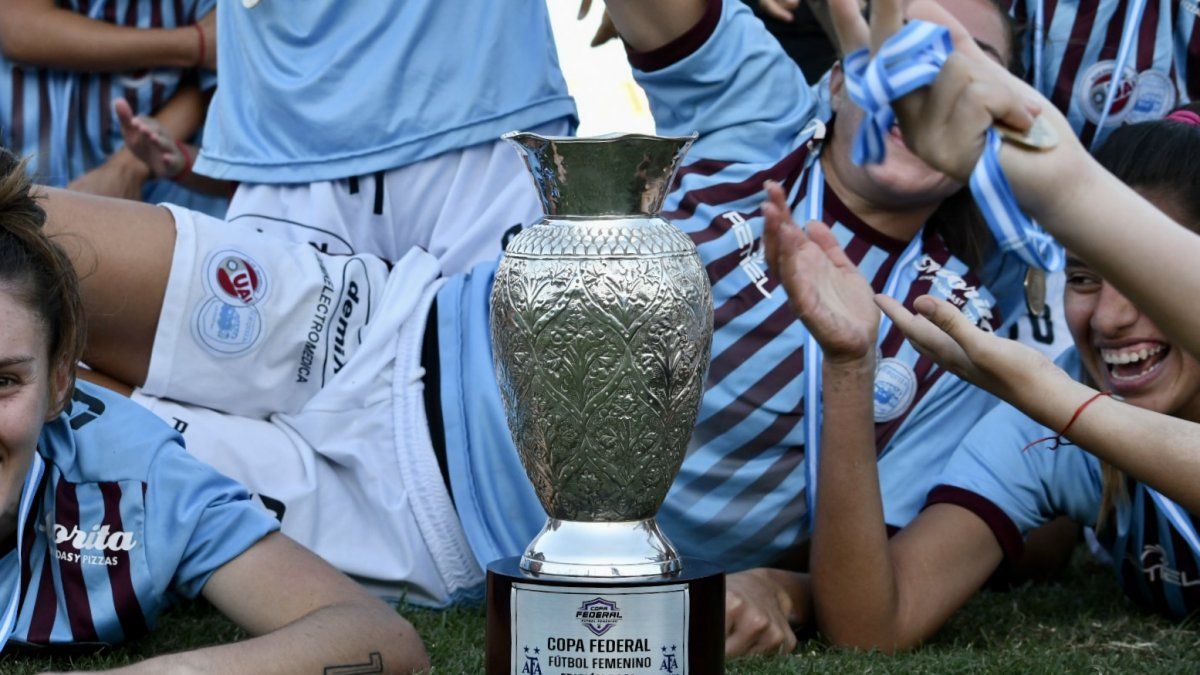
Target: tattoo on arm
375 665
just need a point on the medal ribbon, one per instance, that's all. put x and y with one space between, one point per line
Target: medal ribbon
1133 20
814 209
32 480
911 59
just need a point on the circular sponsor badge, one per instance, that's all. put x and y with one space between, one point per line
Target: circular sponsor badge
1092 88
226 330
895 389
1153 97
235 278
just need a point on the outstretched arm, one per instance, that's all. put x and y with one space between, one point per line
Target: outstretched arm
1115 230
867 591
305 616
1159 450
39 33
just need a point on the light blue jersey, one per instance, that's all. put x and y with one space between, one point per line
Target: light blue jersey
1072 48
123 522
64 120
1015 490
320 90
739 497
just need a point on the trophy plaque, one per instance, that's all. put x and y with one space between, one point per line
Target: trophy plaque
601 319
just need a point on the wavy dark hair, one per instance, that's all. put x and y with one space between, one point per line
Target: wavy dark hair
37 271
1160 159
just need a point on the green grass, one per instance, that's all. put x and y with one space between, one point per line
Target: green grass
1080 624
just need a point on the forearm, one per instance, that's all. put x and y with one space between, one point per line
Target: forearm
47 36
820 10
1158 450
183 114
854 589
375 639
1128 241
646 25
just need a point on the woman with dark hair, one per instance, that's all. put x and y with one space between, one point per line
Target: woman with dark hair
105 519
1130 468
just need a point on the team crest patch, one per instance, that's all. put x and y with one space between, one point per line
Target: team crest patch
895 389
226 330
1139 97
236 278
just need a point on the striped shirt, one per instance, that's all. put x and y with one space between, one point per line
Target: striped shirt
740 495
1081 42
64 120
125 522
1015 491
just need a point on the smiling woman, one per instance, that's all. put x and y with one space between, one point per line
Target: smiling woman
105 519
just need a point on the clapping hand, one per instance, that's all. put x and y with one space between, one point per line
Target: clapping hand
825 289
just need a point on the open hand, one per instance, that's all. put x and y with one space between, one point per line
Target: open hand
825 289
941 332
150 142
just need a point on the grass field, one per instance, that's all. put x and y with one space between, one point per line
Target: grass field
1081 624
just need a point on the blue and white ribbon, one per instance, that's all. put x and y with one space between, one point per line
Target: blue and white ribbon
32 480
911 59
905 267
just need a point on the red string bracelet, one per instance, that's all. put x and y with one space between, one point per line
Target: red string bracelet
203 47
1058 440
187 162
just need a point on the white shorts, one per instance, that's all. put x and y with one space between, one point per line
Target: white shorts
298 373
458 206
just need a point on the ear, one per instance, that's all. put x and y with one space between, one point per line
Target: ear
837 84
62 385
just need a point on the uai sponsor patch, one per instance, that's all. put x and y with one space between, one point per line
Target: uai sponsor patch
236 278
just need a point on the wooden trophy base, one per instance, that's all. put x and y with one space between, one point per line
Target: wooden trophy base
541 625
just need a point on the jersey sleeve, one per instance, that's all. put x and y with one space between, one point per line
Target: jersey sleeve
1015 489
728 79
196 521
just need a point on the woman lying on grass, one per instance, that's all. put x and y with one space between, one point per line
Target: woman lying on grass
1013 473
105 519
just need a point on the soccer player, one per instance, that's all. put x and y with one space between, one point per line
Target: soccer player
1130 471
1010 474
63 66
355 400
106 520
374 127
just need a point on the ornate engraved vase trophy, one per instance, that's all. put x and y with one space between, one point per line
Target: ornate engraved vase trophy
602 332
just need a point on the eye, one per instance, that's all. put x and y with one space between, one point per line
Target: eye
1082 281
7 381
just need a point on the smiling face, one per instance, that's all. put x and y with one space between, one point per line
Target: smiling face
903 179
1122 349
28 392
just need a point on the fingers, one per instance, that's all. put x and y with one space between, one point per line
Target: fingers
928 338
584 8
949 320
776 217
852 30
606 31
751 630
887 17
124 113
779 9
823 236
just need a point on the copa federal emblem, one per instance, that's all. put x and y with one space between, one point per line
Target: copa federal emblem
228 322
895 389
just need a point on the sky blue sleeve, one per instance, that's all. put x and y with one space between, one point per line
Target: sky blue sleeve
1015 489
196 521
728 79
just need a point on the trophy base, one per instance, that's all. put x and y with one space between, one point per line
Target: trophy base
672 624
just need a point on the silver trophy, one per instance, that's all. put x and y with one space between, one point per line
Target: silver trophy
601 322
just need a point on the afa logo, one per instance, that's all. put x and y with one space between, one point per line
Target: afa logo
598 615
236 278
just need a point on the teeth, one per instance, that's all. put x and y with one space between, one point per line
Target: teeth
1119 357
